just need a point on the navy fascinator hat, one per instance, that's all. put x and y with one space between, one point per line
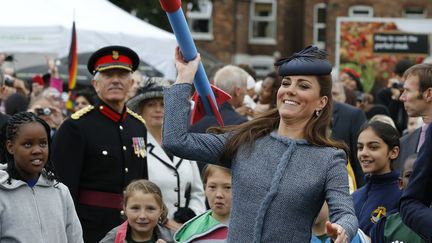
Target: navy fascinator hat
309 61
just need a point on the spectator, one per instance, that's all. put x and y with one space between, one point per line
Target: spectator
351 79
179 179
346 122
232 80
391 228
43 107
366 104
384 119
145 213
267 96
10 80
417 102
414 123
137 82
97 152
389 96
319 231
417 198
84 98
34 206
213 224
378 146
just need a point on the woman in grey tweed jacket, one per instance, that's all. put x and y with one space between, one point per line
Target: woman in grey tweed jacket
284 165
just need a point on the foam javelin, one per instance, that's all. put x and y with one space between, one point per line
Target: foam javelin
209 97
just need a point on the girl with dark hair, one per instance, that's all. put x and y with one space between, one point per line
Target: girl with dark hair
267 96
377 147
284 164
145 213
28 179
83 98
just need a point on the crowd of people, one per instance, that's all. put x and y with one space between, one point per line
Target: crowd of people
304 156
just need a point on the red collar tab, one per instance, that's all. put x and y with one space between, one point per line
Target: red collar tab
111 114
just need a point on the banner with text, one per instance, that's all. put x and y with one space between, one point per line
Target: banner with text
401 43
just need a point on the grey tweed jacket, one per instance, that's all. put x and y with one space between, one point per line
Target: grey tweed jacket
279 186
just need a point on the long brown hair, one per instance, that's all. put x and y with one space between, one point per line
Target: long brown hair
316 131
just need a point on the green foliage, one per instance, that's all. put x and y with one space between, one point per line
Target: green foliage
147 10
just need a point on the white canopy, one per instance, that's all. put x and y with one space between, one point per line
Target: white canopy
44 26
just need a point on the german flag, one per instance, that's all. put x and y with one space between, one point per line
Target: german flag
73 68
73 60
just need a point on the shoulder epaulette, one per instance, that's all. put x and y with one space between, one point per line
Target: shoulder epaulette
78 114
136 115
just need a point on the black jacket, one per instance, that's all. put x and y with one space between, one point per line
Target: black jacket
94 150
229 116
346 123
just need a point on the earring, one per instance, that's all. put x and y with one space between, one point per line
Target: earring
317 113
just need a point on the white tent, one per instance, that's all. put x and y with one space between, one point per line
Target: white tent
44 26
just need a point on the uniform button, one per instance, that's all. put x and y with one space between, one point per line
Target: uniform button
175 174
124 147
101 107
121 127
122 212
104 152
126 170
176 204
176 189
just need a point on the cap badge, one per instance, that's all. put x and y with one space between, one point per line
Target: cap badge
115 55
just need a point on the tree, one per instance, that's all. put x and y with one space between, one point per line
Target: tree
149 11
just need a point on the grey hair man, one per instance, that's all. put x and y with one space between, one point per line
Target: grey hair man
232 80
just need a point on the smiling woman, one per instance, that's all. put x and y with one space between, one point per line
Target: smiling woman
282 161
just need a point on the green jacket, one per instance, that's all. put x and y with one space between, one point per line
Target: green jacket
392 229
197 227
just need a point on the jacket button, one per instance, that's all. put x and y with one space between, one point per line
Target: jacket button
176 204
121 127
124 148
126 170
176 189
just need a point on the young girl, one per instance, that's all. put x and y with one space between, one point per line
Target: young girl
377 147
146 212
34 206
212 225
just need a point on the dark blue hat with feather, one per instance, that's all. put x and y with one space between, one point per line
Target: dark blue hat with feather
309 61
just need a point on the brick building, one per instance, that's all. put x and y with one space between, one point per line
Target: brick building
255 32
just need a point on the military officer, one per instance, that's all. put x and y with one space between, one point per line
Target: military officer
101 148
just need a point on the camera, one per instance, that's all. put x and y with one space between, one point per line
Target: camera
397 85
43 111
8 81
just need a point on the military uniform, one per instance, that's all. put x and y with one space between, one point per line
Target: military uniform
97 152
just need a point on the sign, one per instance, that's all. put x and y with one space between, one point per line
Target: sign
373 46
400 43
